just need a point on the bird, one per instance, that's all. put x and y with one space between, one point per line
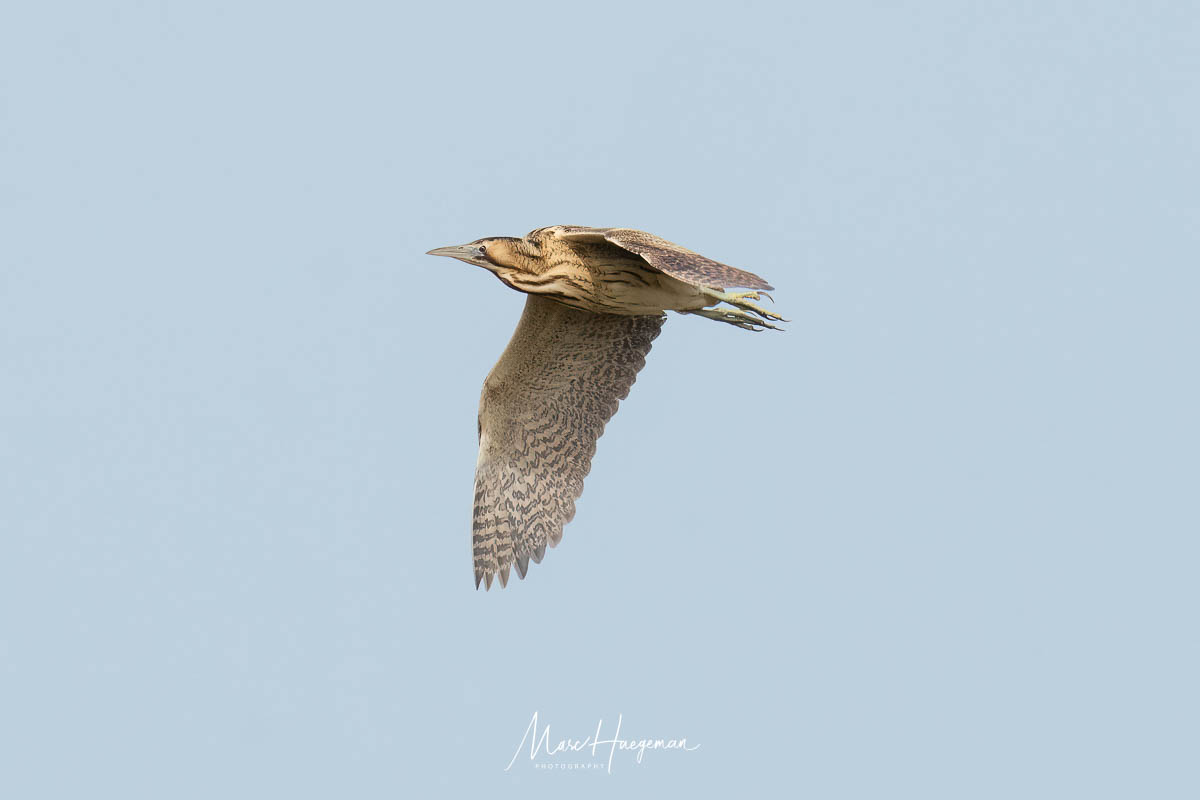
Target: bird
596 301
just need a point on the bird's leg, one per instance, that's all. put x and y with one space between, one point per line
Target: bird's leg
735 317
742 300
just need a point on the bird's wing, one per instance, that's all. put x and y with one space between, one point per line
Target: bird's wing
542 409
668 257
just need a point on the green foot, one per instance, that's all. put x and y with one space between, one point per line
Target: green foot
735 317
742 300
744 313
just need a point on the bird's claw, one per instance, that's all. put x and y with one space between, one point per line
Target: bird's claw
741 301
736 317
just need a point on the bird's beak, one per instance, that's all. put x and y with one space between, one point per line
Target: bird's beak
458 251
463 252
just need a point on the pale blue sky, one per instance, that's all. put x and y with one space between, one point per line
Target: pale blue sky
937 540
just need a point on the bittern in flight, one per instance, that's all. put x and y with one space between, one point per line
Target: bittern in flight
596 302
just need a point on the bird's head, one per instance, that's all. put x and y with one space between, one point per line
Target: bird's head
499 254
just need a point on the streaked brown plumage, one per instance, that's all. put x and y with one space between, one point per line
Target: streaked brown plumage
596 302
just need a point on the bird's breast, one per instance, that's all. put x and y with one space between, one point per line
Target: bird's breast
636 290
610 286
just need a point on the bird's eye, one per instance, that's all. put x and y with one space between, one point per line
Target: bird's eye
482 250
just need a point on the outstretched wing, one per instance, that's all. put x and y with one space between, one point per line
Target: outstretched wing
668 257
543 407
